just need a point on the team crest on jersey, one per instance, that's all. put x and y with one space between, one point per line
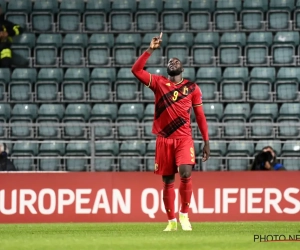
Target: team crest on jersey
185 90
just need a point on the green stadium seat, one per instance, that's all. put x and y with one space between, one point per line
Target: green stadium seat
74 82
286 86
149 110
147 21
149 156
105 40
261 114
23 164
147 93
77 149
128 117
23 114
104 113
199 21
101 6
55 111
237 110
238 164
232 86
48 114
282 4
240 148
25 39
173 21
98 56
27 148
99 87
260 84
128 40
230 51
69 22
148 121
183 39
275 144
234 128
209 74
189 73
126 85
5 111
51 149
252 14
212 164
264 110
291 164
47 85
225 15
180 5
129 149
19 6
288 128
49 40
278 20
19 18
213 110
105 149
261 5
21 84
79 114
42 17
122 21
218 148
154 5
202 5
94 22
75 40
207 38
260 38
284 48
290 148
45 56
131 110
289 110
4 80
180 53
72 6
45 6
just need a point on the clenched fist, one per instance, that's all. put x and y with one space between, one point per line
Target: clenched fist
155 42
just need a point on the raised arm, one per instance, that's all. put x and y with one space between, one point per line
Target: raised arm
201 121
138 67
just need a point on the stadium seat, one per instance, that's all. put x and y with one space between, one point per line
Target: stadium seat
218 148
286 86
94 19
121 15
275 144
51 149
233 84
47 85
79 114
291 148
129 149
262 114
21 84
72 52
288 128
104 114
149 156
209 74
260 84
148 121
73 85
237 110
203 50
27 148
23 114
19 6
284 48
291 164
234 128
290 110
78 150
5 111
279 14
42 16
199 21
105 150
100 87
213 110
240 148
147 15
5 75
172 21
126 85
48 114
131 110
106 40
252 15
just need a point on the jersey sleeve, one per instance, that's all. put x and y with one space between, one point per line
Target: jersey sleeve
148 79
197 97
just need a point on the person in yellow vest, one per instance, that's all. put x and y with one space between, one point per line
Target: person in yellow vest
7 31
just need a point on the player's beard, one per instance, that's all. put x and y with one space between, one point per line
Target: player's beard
175 72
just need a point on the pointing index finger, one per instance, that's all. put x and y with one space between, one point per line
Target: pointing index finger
160 36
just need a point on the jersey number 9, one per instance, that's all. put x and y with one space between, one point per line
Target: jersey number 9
175 95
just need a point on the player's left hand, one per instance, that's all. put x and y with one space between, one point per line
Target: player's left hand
206 152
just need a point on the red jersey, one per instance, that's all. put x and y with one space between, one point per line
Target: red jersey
173 102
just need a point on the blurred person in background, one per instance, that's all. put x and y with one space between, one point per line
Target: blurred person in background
5 163
266 161
8 30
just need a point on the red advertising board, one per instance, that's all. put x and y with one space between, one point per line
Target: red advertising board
137 197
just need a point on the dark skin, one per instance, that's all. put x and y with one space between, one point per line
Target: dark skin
175 70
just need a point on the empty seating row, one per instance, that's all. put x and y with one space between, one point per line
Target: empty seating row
173 14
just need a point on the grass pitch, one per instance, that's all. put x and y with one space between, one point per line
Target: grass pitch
148 236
